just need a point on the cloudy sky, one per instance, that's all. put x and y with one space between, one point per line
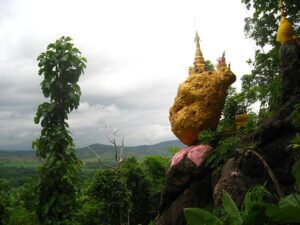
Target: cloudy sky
138 53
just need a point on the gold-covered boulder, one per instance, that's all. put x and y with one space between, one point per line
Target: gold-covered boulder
200 99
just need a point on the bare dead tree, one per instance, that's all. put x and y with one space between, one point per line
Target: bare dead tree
99 158
119 148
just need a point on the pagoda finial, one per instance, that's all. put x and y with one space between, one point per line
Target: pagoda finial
281 7
199 63
221 61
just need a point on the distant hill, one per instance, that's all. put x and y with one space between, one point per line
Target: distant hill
107 151
104 151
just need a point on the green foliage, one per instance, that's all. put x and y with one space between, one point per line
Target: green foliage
25 196
22 202
263 24
196 216
61 66
224 151
156 168
206 137
295 142
287 211
252 213
235 104
139 185
284 215
210 67
251 124
20 215
295 116
264 82
254 195
231 209
91 212
297 175
110 188
256 210
173 149
4 214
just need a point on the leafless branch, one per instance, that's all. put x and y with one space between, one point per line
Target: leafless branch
118 148
270 172
99 158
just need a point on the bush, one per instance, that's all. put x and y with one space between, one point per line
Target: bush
206 137
224 151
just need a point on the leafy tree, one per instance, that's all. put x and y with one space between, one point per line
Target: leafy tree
207 137
20 215
110 188
236 103
4 187
90 212
210 67
61 65
264 82
156 168
23 203
173 149
140 187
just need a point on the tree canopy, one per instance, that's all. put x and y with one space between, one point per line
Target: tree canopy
264 82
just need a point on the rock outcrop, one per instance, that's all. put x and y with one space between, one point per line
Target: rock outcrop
271 140
187 185
200 99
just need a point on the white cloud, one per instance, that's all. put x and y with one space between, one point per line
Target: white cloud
138 52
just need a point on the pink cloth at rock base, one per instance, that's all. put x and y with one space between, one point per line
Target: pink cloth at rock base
195 153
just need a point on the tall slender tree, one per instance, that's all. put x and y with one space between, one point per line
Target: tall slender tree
61 66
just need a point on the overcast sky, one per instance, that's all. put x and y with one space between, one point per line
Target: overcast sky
138 52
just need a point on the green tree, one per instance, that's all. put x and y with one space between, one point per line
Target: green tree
4 187
156 168
264 81
209 65
173 149
61 65
140 187
23 203
110 188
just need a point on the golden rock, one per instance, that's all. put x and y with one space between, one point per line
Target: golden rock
200 99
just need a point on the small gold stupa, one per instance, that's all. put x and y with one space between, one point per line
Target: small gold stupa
200 99
285 30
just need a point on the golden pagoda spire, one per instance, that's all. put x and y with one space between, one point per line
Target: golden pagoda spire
285 30
199 63
281 7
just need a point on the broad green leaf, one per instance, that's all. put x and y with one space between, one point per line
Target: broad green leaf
195 216
290 214
256 214
297 175
231 208
290 200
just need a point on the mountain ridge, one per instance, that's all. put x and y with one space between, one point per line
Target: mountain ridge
105 151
